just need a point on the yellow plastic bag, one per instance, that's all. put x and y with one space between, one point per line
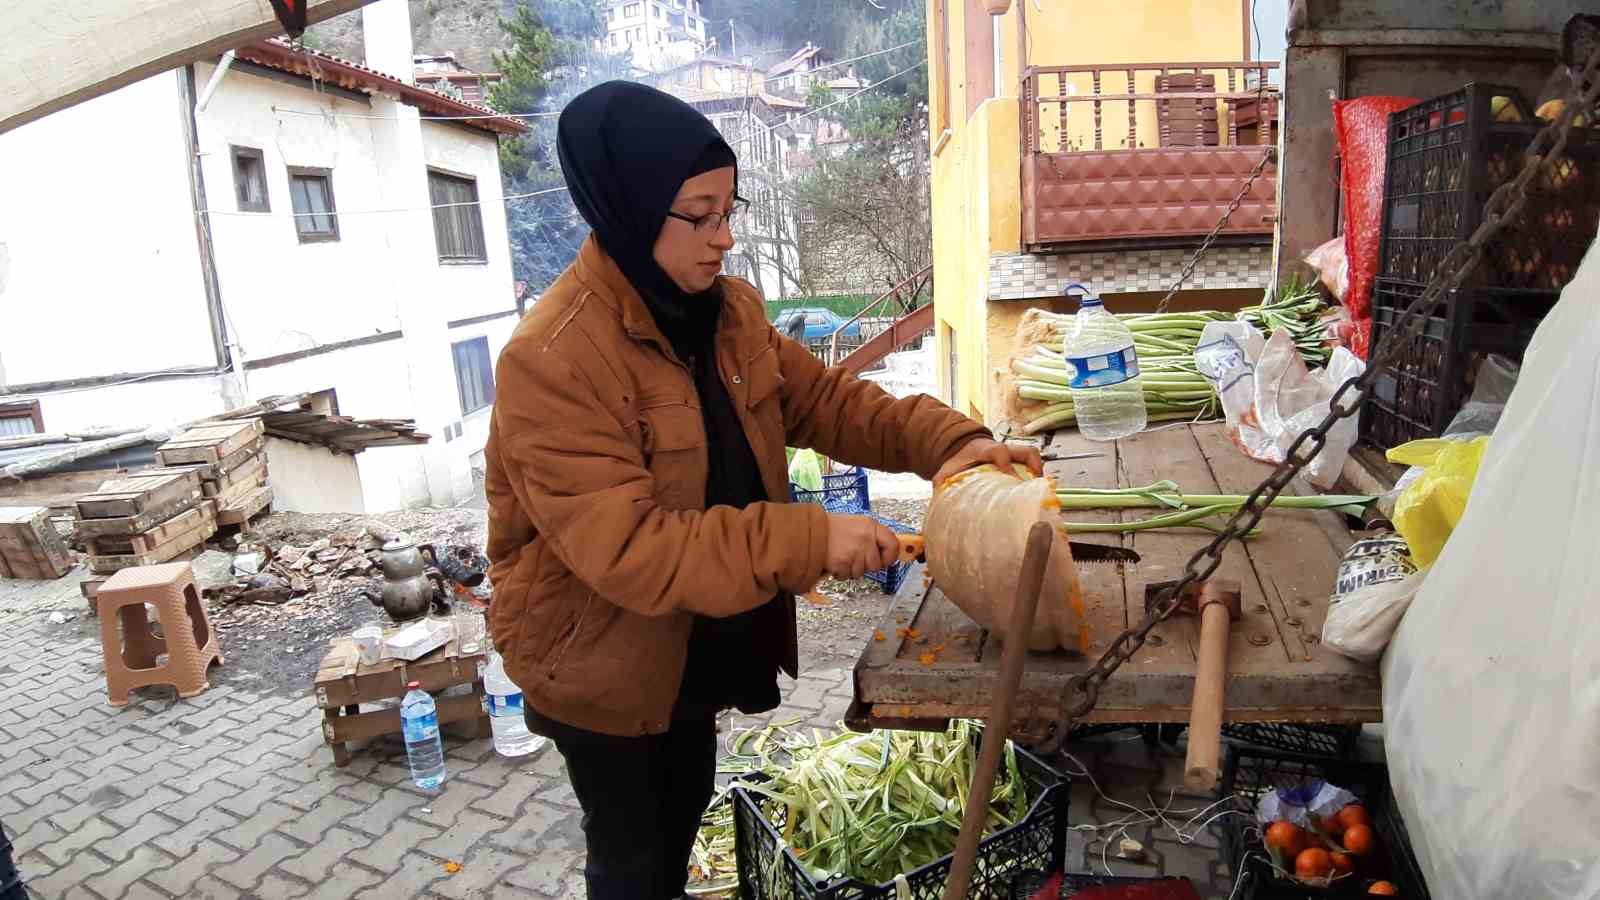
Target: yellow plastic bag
1429 508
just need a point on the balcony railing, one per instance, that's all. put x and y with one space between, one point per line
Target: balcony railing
1142 153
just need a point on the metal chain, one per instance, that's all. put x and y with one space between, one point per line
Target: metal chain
1205 245
1502 208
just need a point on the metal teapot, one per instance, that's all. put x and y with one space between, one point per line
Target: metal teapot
409 587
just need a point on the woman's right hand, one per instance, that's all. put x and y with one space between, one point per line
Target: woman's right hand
859 544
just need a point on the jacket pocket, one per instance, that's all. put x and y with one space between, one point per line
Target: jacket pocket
765 377
674 438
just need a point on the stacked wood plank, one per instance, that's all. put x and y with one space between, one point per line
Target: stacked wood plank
232 469
30 547
145 519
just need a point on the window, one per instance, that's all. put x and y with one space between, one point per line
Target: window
21 418
613 38
457 228
660 13
474 374
311 192
250 180
631 11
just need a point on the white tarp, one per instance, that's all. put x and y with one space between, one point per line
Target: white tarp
1491 687
59 53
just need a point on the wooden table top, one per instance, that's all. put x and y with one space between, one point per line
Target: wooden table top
1278 671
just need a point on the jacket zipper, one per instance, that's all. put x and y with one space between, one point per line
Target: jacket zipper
572 635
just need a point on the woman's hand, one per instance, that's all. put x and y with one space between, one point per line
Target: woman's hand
984 451
857 545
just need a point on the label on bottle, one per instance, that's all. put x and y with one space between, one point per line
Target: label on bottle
1103 369
509 705
420 728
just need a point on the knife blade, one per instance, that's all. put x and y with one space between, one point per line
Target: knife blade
914 548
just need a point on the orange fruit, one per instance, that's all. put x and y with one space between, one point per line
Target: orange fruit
1358 839
1342 864
1313 863
1286 838
1383 889
1331 826
1354 814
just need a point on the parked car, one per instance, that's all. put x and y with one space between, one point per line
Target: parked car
814 323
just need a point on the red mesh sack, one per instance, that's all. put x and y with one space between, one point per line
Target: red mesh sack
1362 125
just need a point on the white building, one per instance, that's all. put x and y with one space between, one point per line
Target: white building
204 238
657 34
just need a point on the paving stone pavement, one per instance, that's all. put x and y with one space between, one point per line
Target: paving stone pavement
232 794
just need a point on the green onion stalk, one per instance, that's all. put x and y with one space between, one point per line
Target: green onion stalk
1185 510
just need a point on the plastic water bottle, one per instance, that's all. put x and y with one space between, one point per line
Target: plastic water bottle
419 722
1107 392
504 699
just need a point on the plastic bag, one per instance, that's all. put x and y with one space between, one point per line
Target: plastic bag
1489 686
1303 804
1363 131
1269 396
1427 511
805 470
1492 385
1332 265
1376 581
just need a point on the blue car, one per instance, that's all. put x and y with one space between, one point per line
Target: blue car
810 324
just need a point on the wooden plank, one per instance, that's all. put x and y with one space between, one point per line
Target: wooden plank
126 526
229 463
244 511
210 443
1296 562
170 549
134 494
238 493
149 541
341 680
376 723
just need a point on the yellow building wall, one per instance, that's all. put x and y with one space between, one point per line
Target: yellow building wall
977 188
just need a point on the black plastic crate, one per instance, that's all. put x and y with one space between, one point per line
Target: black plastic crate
769 870
1429 379
1250 773
1447 155
1073 885
1320 740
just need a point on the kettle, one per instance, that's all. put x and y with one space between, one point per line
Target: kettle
409 588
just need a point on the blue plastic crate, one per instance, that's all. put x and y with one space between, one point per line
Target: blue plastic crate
844 493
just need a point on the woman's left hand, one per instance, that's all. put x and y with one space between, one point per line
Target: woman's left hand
985 451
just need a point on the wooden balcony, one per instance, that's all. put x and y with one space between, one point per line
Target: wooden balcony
1146 154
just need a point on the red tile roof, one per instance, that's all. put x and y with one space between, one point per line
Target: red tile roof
353 76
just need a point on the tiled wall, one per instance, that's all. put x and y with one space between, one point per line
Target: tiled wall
1025 276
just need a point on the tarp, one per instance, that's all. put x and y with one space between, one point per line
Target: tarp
57 54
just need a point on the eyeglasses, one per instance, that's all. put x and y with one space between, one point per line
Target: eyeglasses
713 221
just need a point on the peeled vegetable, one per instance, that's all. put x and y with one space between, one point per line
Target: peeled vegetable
976 532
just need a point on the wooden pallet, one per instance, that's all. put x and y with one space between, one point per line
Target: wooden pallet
342 684
30 547
201 524
146 498
210 443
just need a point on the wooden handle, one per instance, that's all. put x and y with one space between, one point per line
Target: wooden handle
912 546
1013 654
1205 713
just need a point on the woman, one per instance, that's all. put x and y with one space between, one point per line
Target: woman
645 561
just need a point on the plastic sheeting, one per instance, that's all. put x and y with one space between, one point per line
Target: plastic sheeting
1492 683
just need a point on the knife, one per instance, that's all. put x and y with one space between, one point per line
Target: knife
913 548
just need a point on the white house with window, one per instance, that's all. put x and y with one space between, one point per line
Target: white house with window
656 34
275 222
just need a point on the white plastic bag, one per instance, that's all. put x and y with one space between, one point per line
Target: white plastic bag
1491 686
1376 582
1269 397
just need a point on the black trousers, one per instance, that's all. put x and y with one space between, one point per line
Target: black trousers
642 800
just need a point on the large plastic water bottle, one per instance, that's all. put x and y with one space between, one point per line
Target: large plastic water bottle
419 722
511 734
1107 393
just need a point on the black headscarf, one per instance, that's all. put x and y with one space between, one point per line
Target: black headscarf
625 150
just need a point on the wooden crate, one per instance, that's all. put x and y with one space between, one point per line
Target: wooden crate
144 499
228 464
209 443
246 508
252 474
342 684
196 526
30 547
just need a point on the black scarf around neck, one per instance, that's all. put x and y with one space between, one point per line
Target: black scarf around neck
625 150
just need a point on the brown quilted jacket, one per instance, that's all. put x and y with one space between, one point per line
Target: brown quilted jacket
602 550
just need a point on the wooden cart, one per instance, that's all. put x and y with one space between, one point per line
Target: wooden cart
1278 671
343 684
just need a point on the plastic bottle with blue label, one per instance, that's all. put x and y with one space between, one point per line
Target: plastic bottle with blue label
1103 368
504 701
419 722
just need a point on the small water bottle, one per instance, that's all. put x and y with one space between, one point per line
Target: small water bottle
504 699
1107 393
419 722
